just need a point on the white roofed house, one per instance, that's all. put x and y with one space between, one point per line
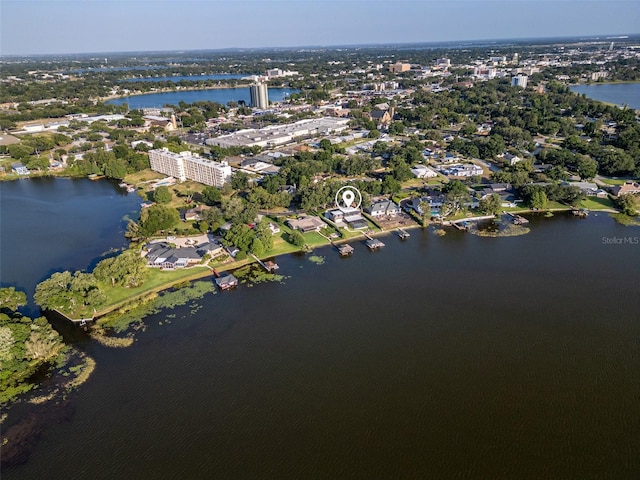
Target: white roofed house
383 208
421 171
511 159
20 169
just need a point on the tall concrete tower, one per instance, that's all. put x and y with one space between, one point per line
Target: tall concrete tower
259 96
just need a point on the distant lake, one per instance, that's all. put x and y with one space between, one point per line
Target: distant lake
617 93
192 78
220 95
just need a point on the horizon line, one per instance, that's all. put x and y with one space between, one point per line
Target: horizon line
603 37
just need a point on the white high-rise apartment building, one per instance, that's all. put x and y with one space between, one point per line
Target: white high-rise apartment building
519 81
188 166
259 96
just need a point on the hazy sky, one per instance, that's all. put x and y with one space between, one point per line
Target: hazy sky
78 26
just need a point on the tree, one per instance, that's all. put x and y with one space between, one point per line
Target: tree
263 232
538 199
455 196
11 299
43 342
129 269
213 217
396 128
587 167
241 236
296 238
67 292
157 217
162 195
211 195
240 181
491 205
627 204
257 248
115 168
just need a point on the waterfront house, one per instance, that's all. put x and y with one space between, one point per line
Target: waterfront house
306 224
628 187
383 208
162 255
347 216
19 169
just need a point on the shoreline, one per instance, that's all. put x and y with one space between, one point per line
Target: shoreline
209 271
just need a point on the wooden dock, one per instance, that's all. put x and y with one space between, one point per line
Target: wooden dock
344 250
226 282
269 265
374 244
403 234
463 227
517 219
580 212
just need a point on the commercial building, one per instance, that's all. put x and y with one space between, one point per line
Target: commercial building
276 135
259 96
188 166
399 67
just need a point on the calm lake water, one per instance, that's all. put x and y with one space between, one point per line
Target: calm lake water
617 93
51 225
437 357
220 95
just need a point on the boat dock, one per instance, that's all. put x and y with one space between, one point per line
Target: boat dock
344 250
226 282
580 212
463 226
269 266
374 244
403 234
517 219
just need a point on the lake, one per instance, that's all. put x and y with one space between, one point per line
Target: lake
56 224
219 95
437 357
616 93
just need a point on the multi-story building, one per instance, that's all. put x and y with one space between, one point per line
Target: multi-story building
519 81
399 67
188 166
259 96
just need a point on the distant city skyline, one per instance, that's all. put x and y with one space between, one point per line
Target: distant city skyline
36 27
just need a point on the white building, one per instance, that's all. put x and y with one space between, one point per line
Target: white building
259 96
188 166
519 81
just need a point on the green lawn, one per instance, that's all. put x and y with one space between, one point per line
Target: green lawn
158 280
143 176
612 181
594 203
